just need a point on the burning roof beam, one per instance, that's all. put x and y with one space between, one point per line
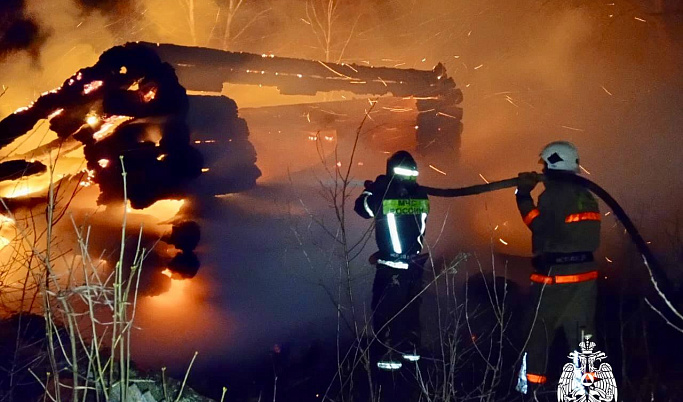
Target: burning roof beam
204 69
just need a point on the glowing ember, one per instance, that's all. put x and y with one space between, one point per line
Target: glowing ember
204 170
93 86
92 120
23 109
55 113
87 182
103 163
109 126
167 272
150 95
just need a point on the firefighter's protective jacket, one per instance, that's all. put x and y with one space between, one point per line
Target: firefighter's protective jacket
565 228
566 220
400 210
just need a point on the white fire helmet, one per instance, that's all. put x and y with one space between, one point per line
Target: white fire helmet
561 155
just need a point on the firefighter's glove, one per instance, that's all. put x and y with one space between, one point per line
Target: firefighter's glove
526 182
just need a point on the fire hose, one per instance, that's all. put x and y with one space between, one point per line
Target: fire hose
657 275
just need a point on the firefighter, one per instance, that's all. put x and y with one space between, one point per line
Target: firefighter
565 227
399 207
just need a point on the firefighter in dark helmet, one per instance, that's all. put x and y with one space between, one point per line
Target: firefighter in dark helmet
399 207
565 227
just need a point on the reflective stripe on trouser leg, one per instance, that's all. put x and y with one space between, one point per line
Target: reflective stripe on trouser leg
522 384
389 365
536 378
395 322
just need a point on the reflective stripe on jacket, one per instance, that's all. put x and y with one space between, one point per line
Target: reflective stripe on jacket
566 219
400 209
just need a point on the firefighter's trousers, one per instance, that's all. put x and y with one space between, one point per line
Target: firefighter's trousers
569 307
396 310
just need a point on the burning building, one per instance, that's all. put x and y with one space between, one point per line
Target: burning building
149 112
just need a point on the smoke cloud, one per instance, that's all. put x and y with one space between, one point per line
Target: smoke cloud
18 31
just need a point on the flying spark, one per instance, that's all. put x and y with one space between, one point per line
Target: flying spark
333 71
437 170
509 99
446 115
573 128
397 109
483 178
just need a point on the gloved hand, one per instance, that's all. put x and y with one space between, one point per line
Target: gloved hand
526 182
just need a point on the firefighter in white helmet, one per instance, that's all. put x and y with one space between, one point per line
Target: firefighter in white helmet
565 227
